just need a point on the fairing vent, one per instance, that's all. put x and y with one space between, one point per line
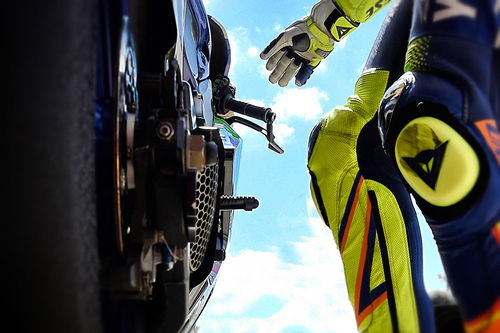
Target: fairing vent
206 196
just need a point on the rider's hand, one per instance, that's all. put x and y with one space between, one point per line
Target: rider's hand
296 47
304 44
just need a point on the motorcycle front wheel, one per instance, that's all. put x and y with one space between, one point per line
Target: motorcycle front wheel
50 255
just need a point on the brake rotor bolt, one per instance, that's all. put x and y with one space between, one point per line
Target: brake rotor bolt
129 153
123 179
165 131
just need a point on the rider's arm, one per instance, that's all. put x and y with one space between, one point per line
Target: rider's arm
359 10
305 43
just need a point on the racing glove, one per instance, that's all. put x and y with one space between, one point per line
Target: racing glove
300 48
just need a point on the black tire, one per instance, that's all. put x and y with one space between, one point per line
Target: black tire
49 236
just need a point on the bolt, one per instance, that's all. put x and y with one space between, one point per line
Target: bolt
165 131
123 179
220 255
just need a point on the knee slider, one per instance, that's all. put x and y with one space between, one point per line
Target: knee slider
441 163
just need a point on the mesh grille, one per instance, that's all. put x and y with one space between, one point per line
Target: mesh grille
206 194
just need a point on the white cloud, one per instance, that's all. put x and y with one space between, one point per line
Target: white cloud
302 103
253 51
242 49
263 71
206 2
282 132
342 43
311 208
312 289
236 55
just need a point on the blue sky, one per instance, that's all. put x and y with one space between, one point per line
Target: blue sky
283 272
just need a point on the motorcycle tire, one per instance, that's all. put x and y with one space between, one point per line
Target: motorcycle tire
49 237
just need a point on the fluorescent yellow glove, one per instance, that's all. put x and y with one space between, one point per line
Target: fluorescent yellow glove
304 44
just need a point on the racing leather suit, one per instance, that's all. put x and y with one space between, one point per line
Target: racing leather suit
439 124
360 196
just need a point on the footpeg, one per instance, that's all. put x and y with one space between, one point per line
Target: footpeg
233 203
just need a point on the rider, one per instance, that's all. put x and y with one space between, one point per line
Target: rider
443 142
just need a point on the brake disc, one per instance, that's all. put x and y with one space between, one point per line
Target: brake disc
124 126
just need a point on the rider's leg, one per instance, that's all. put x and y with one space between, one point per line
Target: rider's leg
360 197
439 126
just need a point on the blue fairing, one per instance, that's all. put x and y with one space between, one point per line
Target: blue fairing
197 43
203 28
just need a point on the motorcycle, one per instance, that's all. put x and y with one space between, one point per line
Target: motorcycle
175 158
129 125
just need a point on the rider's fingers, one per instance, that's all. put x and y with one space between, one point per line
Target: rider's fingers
281 67
290 72
273 61
276 44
